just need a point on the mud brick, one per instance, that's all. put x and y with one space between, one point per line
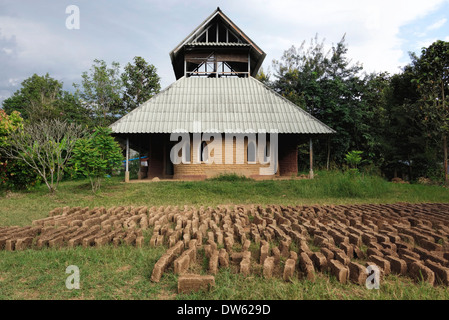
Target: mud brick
186 238
441 272
409 259
276 255
268 267
357 273
267 235
393 237
23 243
229 242
194 283
117 239
223 258
211 236
342 257
327 253
213 262
140 241
219 236
130 238
159 268
245 265
419 272
319 261
436 256
397 265
374 252
358 253
407 238
212 244
181 264
319 241
293 255
382 263
193 244
208 251
381 238
191 252
367 239
375 245
284 247
154 239
388 252
340 271
304 248
246 245
340 239
402 251
57 242
264 252
403 245
237 257
289 270
389 246
348 249
75 223
431 246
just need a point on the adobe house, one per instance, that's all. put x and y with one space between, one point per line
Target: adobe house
216 92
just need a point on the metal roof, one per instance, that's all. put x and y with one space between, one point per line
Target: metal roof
217 44
234 105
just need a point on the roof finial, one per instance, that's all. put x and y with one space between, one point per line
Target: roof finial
218 9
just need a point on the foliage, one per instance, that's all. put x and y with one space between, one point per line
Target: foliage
45 146
101 89
96 156
141 82
230 177
432 79
354 158
42 97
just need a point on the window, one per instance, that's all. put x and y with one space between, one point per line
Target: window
251 152
204 153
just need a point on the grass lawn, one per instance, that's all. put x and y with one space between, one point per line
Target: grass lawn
124 272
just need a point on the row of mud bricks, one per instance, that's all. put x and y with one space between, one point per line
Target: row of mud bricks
280 241
288 242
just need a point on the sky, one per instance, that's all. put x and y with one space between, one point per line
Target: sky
34 37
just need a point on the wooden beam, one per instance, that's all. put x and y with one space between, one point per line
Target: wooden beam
311 158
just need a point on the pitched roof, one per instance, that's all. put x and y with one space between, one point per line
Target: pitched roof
221 105
177 54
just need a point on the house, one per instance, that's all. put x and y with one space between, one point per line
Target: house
217 118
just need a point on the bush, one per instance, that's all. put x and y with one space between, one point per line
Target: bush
230 177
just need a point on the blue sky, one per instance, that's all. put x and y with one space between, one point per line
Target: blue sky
34 37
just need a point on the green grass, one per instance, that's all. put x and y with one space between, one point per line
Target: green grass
20 208
124 272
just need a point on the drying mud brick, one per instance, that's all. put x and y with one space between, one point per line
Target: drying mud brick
319 261
181 264
223 258
357 273
397 265
276 255
268 267
340 271
245 265
441 272
194 283
264 251
213 262
289 269
381 263
419 272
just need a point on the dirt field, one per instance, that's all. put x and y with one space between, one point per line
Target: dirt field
272 241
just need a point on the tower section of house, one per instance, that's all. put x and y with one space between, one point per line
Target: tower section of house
217 99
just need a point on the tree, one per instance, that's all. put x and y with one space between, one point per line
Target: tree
141 82
101 92
432 79
96 156
42 97
46 146
329 87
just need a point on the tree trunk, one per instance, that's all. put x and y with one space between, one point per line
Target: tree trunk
445 158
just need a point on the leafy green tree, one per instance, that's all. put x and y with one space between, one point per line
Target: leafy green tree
42 97
96 156
432 70
101 92
141 82
45 146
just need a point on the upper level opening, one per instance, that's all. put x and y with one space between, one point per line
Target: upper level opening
217 48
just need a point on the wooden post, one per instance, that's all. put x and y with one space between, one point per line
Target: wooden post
445 159
127 161
311 159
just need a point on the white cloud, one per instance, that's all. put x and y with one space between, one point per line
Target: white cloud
437 25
